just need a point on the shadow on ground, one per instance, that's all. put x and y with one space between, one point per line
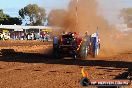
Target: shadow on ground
9 55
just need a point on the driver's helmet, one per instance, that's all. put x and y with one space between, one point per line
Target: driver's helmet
94 35
75 33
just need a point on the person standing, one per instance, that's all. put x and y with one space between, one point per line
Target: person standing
32 36
87 37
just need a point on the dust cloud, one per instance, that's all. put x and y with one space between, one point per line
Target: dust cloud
112 40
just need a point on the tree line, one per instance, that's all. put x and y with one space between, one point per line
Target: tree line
7 20
126 13
32 14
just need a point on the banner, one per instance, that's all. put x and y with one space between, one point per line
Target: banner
5 30
47 30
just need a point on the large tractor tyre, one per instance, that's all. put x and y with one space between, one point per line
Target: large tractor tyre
56 54
95 47
55 40
56 50
95 51
84 51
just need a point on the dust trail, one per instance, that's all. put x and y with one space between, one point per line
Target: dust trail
89 20
112 40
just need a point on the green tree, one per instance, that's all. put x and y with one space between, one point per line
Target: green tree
126 13
3 16
7 20
35 14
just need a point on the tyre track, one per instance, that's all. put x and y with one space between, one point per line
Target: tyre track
37 81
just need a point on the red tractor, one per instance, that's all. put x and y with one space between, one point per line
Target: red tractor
72 45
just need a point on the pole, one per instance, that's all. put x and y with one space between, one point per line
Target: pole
77 15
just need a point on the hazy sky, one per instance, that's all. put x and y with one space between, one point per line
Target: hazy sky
111 9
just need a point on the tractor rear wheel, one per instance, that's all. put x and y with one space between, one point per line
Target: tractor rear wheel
56 50
95 51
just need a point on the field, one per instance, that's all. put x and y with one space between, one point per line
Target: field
30 64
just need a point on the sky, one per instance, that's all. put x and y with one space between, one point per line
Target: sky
109 8
12 7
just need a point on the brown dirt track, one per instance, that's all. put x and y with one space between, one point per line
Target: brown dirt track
29 64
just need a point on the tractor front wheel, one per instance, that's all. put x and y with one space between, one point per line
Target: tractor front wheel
84 51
